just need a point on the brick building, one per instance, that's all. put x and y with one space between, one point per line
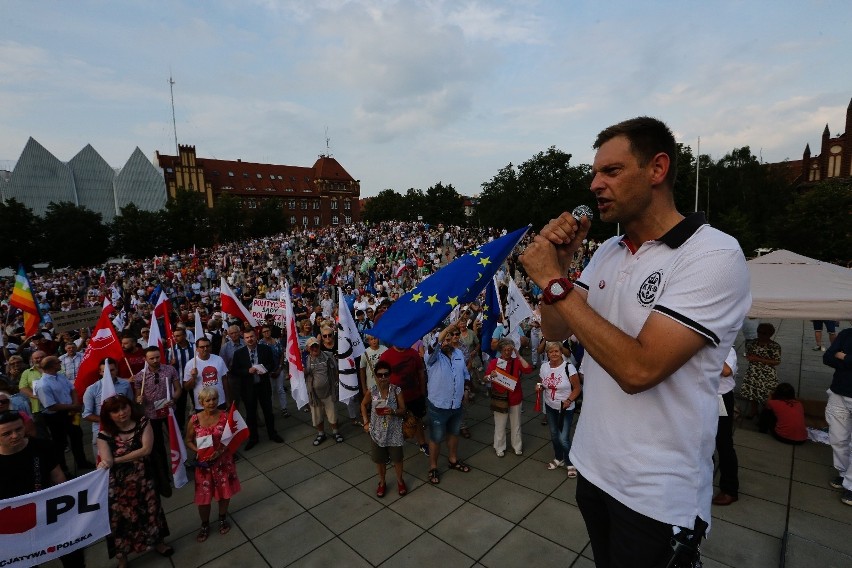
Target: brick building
319 196
833 161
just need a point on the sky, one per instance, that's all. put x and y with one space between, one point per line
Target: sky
408 93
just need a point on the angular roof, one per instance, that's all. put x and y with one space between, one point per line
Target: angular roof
40 178
141 183
93 178
328 168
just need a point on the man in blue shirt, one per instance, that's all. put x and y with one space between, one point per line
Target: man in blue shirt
448 386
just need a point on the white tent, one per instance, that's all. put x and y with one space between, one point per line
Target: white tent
786 285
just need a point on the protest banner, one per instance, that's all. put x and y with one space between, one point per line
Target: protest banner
42 526
504 379
75 319
260 308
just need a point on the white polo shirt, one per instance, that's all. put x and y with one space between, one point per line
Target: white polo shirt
652 451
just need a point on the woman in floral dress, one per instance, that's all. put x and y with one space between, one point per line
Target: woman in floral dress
136 516
215 472
761 378
383 409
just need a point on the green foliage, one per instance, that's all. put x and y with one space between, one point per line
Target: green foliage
268 219
20 234
74 236
536 191
388 205
187 221
138 234
443 204
228 219
816 222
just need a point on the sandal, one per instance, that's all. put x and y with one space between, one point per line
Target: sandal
460 466
319 439
572 472
338 438
224 526
433 477
401 487
380 490
555 464
203 533
465 433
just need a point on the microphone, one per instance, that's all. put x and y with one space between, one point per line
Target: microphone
581 210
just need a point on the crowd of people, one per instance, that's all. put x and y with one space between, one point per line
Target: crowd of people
671 333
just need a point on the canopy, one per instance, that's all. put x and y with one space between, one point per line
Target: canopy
786 285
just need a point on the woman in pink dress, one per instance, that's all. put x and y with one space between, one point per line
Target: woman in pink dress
215 472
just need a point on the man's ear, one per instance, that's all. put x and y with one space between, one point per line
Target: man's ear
660 165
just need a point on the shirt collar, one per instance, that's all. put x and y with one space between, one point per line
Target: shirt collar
678 234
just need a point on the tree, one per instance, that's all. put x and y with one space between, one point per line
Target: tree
228 219
20 233
137 233
75 236
187 221
386 206
443 204
268 218
816 222
536 191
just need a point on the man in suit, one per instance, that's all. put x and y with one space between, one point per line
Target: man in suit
253 366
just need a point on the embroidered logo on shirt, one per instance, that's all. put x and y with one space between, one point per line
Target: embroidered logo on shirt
648 290
602 284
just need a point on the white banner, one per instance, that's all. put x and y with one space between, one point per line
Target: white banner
349 347
261 307
50 523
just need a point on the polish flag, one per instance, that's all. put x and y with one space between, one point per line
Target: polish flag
232 305
104 343
154 338
107 385
294 354
236 430
177 449
163 309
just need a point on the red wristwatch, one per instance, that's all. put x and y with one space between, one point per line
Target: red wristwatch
555 290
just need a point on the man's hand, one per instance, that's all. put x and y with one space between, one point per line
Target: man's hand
550 254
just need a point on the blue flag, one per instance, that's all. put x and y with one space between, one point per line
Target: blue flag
420 310
490 315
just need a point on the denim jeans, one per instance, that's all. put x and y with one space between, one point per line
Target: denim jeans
559 435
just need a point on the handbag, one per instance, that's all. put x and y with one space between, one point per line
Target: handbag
410 425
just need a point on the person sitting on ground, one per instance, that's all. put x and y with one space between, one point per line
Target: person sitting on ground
784 416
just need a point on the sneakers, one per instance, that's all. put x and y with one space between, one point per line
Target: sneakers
837 482
500 454
816 348
425 449
846 497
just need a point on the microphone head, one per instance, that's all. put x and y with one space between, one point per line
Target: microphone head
581 210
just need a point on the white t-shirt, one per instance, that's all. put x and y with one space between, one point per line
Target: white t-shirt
373 356
556 383
210 374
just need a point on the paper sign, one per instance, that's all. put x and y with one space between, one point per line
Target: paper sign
504 379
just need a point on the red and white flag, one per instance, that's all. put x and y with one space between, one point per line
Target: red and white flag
155 340
104 343
232 305
177 452
163 309
236 430
294 354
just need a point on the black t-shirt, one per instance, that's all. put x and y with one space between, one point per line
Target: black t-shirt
19 474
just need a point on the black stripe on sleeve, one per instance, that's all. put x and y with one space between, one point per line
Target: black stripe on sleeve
693 325
582 285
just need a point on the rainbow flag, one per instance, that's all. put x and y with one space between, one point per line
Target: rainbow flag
23 299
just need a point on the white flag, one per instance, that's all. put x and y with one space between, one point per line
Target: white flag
177 449
294 354
349 346
107 386
517 309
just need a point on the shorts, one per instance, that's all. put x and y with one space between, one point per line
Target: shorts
417 406
381 454
443 422
829 325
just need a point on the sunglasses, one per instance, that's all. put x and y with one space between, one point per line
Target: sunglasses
383 375
327 335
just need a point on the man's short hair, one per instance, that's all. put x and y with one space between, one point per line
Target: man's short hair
152 349
9 416
648 137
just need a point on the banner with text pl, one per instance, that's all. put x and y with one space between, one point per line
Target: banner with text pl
41 526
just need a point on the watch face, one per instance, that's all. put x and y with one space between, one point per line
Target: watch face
556 288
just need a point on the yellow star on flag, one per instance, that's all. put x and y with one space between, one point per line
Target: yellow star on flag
432 300
416 297
453 301
484 261
476 252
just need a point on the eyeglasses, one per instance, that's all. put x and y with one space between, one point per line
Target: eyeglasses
383 375
327 335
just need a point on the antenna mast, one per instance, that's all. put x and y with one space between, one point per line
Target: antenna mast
174 123
327 143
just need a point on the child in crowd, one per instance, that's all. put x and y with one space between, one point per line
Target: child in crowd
784 416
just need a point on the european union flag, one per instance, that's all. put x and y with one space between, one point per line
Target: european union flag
420 310
490 315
